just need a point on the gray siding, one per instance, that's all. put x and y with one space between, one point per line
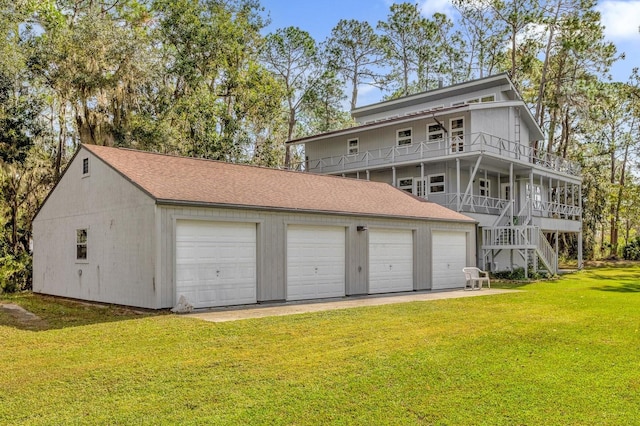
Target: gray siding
427 105
272 246
120 222
379 138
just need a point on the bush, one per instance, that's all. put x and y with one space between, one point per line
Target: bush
632 250
15 273
518 275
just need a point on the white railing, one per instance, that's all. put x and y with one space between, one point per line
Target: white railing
497 206
546 253
477 142
521 237
553 209
504 236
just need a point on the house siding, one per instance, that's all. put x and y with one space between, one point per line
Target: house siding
271 249
120 222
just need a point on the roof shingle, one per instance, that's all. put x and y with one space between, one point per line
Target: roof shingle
197 181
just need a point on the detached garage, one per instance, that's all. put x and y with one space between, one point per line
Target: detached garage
144 229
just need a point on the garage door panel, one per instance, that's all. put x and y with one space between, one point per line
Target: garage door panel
216 263
390 260
315 262
449 257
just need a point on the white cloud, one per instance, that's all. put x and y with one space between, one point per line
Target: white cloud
429 7
620 18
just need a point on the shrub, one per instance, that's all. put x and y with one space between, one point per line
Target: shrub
517 274
15 273
632 250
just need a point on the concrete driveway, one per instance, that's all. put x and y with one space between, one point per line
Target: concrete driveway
291 308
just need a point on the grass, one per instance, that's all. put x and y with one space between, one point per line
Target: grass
557 353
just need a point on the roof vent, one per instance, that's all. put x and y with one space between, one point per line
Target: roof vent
440 82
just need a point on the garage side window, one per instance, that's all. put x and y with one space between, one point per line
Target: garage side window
81 244
85 167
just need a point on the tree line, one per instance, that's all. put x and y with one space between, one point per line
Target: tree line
201 78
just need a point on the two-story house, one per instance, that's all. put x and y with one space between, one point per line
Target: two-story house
469 147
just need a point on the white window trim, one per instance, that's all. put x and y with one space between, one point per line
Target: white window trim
79 244
398 138
486 188
443 183
357 146
406 186
439 132
88 172
456 145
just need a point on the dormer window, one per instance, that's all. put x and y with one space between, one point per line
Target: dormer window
403 137
85 167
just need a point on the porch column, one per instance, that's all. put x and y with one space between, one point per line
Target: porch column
531 195
394 182
422 182
458 183
511 193
367 174
556 247
580 199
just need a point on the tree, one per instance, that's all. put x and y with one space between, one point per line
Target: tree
292 56
354 51
400 41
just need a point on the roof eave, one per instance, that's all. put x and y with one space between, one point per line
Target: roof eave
171 202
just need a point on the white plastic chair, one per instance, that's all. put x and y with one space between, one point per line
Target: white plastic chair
475 277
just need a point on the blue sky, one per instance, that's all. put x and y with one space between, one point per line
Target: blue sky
620 17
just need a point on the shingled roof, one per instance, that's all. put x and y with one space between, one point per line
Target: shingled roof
181 180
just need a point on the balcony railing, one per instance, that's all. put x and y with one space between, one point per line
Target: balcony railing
478 142
494 206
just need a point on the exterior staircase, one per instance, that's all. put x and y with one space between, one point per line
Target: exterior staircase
515 232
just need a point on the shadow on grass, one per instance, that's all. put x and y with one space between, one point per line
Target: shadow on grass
617 276
42 313
622 288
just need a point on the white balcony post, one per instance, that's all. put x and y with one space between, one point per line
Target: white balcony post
367 174
393 172
424 186
458 183
511 191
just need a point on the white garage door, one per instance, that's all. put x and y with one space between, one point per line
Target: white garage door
390 260
315 262
216 263
449 254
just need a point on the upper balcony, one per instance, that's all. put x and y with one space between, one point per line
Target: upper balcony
444 148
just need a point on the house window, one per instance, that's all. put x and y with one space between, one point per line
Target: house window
85 166
457 134
352 146
536 199
490 98
473 101
434 132
436 183
485 187
81 244
406 184
454 104
404 137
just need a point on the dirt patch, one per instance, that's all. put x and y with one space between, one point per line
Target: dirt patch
23 318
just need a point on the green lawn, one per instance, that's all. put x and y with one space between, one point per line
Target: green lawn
557 353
